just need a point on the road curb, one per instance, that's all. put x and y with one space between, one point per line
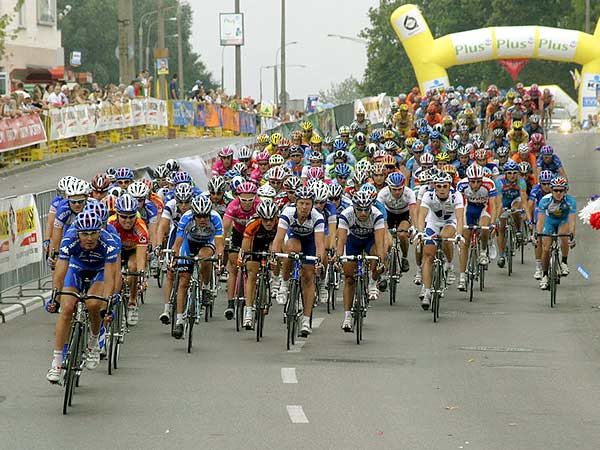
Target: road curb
23 307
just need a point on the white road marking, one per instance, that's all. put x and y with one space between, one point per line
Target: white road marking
296 348
288 375
296 414
317 322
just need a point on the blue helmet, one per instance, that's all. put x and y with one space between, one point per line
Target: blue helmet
87 221
395 179
338 144
418 146
305 193
546 176
182 177
124 173
511 165
98 208
547 150
126 204
342 170
232 173
423 130
559 182
371 189
435 135
375 136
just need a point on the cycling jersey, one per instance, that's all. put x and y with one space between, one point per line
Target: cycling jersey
130 239
329 213
477 202
441 212
54 204
238 216
397 205
64 215
296 169
219 169
361 229
261 237
553 166
535 195
148 213
557 213
510 191
493 168
315 223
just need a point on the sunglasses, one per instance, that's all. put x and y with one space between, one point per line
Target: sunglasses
201 216
512 172
226 157
88 233
545 184
127 216
442 186
123 181
362 209
244 159
140 199
559 191
248 200
187 202
475 180
390 167
77 202
334 199
321 202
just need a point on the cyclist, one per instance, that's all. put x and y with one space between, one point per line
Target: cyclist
329 212
225 161
556 214
512 194
304 228
516 136
258 236
464 160
361 229
358 148
400 204
533 126
146 209
440 214
549 161
100 184
237 214
216 189
480 209
124 177
363 124
86 253
134 243
481 158
167 227
199 233
535 195
258 175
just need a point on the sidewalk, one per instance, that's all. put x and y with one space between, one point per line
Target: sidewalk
30 299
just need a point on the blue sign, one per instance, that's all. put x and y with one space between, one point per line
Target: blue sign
590 102
183 113
311 103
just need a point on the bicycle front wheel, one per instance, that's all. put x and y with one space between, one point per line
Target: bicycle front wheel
509 250
472 270
292 312
553 275
71 365
261 300
192 314
393 275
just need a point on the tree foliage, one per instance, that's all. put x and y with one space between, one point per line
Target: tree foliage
346 91
91 27
390 71
5 21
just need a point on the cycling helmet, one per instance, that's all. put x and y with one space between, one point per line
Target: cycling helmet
111 173
225 152
284 144
559 182
335 191
396 179
275 138
216 184
420 123
534 118
344 129
305 193
235 182
240 167
360 138
364 165
371 149
442 157
511 166
426 158
498 132
172 165
547 150
306 126
78 187
296 150
315 139
316 157
360 177
536 138
340 154
329 140
100 183
362 200
321 191
244 153
315 173
98 208
184 193
390 146
276 173
463 129
463 151
138 190
339 145
262 139
502 151
368 187
474 172
481 153
246 188
126 204
201 205
63 183
388 160
262 156
378 169
523 148
423 130
182 177
418 146
161 171
443 177
517 125
425 176
292 183
546 176
266 209
375 136
452 146
435 135
498 115
163 192
276 160
87 221
116 191
438 128
379 155
124 173
231 173
524 168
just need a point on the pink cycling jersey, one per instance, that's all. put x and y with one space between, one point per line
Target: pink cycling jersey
257 176
219 169
238 216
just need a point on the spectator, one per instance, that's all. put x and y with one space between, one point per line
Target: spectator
64 95
54 98
130 90
173 88
196 88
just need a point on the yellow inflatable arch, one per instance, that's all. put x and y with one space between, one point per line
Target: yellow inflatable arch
431 57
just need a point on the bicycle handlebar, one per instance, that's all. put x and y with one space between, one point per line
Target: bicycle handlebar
127 273
349 258
570 236
81 297
198 258
297 256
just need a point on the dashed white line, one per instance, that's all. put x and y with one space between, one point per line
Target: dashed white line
296 414
316 323
288 375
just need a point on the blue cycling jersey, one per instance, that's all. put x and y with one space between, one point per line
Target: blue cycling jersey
509 191
329 213
557 211
553 166
105 252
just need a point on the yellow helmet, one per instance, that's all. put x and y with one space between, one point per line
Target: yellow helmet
397 115
306 126
517 125
316 139
275 138
449 168
403 107
511 94
388 134
442 157
469 112
262 139
409 141
296 135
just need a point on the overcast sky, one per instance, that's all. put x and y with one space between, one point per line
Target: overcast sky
329 60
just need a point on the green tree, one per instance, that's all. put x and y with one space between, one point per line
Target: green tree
5 21
390 71
346 91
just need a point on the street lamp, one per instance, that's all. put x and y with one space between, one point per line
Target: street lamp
349 38
141 34
276 98
150 26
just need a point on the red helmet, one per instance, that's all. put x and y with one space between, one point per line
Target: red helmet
100 182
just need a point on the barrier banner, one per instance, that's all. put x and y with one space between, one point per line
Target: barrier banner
137 113
156 112
20 233
183 113
376 108
212 118
21 132
231 120
200 116
326 122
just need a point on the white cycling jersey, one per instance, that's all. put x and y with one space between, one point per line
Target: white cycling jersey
288 220
422 189
361 229
441 211
397 205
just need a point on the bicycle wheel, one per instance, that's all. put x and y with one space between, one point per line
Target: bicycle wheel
291 312
117 326
436 290
524 239
553 275
71 364
509 249
258 307
239 302
472 270
110 344
481 269
393 275
357 310
160 276
192 312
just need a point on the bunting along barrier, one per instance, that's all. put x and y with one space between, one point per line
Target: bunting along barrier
21 132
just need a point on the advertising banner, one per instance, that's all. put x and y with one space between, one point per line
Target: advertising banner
200 116
183 113
231 28
20 233
376 108
21 132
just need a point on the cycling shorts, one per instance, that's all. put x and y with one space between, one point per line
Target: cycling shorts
435 229
394 220
76 275
510 202
355 246
194 249
125 255
551 225
307 244
473 213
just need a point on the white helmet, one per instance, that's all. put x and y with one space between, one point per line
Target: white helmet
64 182
138 190
266 191
364 165
321 191
244 152
474 171
201 205
116 191
426 158
78 187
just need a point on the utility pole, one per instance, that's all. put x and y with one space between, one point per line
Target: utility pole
123 24
162 82
130 41
180 54
276 84
587 16
238 61
283 87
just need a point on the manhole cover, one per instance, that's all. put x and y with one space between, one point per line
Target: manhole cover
481 348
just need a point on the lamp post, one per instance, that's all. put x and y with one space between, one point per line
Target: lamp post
223 67
276 97
348 38
141 38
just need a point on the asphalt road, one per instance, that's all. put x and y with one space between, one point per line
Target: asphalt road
504 372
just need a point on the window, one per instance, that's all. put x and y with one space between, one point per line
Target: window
46 12
3 81
21 17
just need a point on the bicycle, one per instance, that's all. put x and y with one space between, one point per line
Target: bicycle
240 297
74 359
475 270
511 241
332 280
554 269
163 263
395 270
438 284
294 306
360 303
115 332
262 299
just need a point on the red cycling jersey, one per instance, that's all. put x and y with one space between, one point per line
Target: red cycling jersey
130 239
